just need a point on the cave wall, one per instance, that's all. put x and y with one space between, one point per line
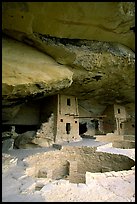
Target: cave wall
47 107
29 114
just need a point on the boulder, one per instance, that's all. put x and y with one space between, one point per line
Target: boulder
24 139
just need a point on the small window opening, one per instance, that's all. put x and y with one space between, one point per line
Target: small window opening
68 128
61 120
68 101
133 125
118 110
75 121
121 125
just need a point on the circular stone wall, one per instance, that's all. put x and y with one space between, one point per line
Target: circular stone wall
73 162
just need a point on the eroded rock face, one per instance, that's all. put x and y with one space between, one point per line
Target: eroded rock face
101 21
27 73
93 52
101 72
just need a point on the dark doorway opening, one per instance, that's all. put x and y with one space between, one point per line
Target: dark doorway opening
118 110
68 101
68 128
82 128
96 124
6 128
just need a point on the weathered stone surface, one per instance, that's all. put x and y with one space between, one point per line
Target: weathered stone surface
6 134
75 161
7 144
8 161
103 71
26 73
10 111
24 140
124 144
45 135
26 70
90 74
102 21
94 51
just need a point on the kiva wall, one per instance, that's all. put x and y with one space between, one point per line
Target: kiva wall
74 162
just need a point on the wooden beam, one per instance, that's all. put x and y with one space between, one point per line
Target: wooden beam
102 116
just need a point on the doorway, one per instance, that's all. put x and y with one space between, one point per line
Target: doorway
82 128
68 128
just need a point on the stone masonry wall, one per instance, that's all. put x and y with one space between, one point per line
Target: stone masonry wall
109 123
66 115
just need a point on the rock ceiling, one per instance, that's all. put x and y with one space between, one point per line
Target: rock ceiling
63 47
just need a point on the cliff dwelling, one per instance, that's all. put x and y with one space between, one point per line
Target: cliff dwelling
60 118
68 101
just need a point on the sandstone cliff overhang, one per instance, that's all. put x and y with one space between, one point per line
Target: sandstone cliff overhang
92 52
101 21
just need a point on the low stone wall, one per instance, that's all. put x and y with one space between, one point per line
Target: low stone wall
124 144
129 137
109 138
118 141
91 177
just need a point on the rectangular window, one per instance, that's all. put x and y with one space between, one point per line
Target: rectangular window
68 101
61 120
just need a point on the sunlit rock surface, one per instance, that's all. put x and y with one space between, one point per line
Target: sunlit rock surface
92 52
27 72
100 72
